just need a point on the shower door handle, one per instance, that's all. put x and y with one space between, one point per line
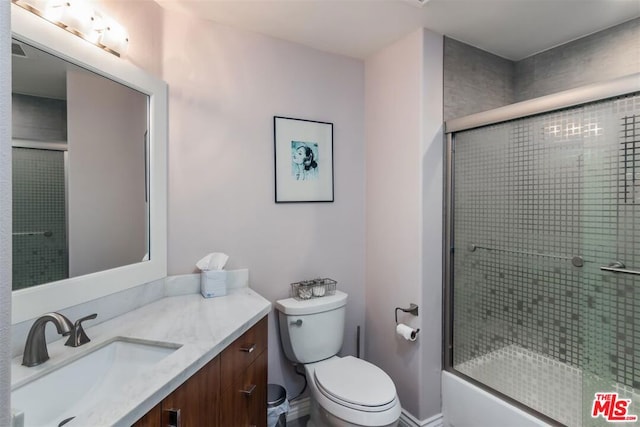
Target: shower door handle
618 267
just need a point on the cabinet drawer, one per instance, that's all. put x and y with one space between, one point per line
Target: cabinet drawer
244 403
235 359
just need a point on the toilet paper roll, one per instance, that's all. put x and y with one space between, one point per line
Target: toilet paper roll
406 332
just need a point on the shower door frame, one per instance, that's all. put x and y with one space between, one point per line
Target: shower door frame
546 104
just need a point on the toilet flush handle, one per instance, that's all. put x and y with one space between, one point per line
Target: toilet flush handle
297 322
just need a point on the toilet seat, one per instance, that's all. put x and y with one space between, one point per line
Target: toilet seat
356 384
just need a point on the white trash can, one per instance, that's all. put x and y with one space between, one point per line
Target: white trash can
277 406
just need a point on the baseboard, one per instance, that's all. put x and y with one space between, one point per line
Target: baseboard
299 408
408 420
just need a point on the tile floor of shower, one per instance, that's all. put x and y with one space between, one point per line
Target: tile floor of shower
551 387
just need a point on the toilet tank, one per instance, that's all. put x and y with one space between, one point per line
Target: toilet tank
313 329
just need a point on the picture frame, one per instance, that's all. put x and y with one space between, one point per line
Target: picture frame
303 154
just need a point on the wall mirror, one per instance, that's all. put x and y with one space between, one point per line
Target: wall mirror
89 170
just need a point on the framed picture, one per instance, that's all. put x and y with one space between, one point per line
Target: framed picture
303 160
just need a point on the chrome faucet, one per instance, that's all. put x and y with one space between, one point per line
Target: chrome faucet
35 349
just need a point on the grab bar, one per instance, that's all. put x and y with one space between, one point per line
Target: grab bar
577 260
47 233
619 267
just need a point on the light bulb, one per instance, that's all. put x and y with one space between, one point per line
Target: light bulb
79 16
114 36
48 9
37 5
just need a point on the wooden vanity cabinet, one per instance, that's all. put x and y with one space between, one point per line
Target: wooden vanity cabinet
194 404
243 399
230 391
153 418
196 399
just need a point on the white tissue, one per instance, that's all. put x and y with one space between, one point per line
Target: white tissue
213 261
406 332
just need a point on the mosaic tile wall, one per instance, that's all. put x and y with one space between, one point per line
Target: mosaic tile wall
38 208
530 195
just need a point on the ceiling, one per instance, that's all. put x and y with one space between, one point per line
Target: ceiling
513 29
39 73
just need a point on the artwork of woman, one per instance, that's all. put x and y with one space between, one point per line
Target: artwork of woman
304 156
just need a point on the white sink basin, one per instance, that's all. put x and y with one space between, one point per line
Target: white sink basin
74 387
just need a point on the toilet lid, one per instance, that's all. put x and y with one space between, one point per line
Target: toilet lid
355 381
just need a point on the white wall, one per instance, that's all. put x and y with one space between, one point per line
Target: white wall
403 214
5 211
432 179
225 86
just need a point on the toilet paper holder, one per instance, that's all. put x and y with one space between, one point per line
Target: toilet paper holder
413 309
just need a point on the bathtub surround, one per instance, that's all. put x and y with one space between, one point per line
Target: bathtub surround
608 54
476 81
5 211
602 56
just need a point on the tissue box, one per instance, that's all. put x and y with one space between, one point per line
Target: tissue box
213 283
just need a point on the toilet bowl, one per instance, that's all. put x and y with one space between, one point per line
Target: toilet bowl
350 392
345 391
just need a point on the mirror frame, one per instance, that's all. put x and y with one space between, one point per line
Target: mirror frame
32 302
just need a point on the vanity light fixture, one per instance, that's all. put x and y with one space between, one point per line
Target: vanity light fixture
80 18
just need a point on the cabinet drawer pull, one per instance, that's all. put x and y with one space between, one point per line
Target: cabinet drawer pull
248 349
173 417
249 390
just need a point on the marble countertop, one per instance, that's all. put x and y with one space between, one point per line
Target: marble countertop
201 327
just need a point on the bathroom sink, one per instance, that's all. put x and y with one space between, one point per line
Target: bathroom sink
70 389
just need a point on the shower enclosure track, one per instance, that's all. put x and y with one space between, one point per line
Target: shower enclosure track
548 103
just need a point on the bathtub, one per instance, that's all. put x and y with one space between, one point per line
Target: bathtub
561 391
465 405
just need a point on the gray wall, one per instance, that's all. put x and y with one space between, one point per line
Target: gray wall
475 80
5 211
39 119
605 55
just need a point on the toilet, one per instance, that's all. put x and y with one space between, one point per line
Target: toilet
345 391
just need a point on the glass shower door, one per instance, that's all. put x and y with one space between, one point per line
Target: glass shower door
611 284
39 217
540 205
